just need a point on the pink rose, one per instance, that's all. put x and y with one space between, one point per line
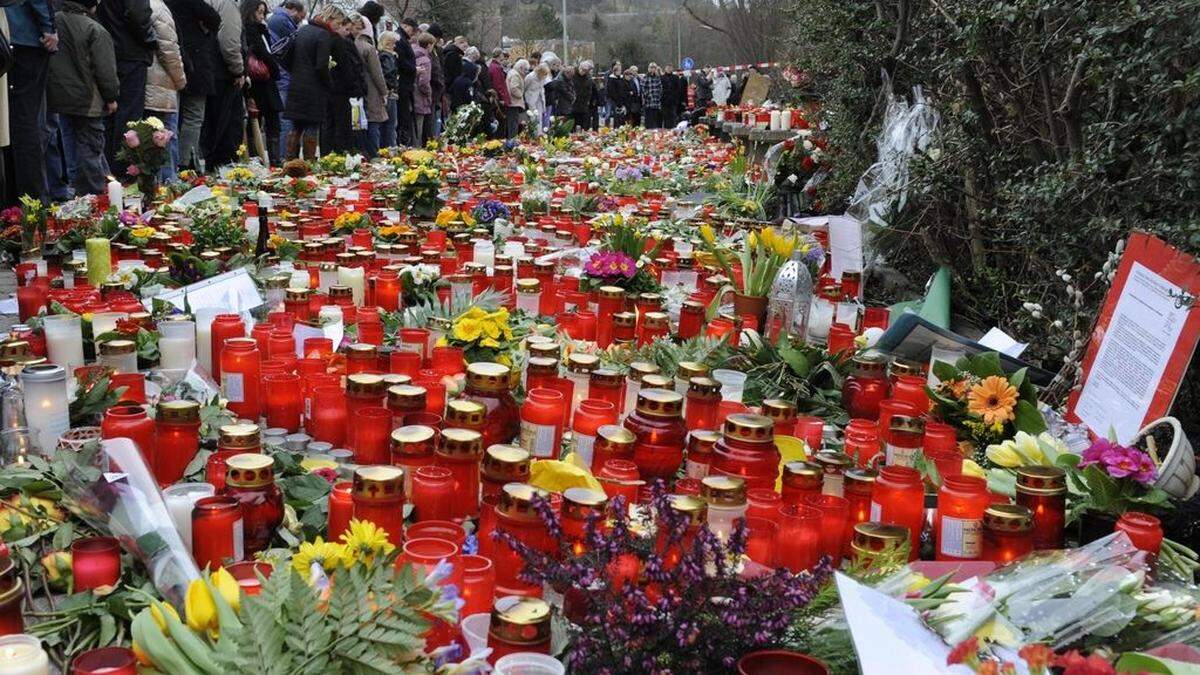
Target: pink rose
131 139
162 137
132 170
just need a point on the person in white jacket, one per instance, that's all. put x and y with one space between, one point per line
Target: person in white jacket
514 81
164 79
535 96
721 88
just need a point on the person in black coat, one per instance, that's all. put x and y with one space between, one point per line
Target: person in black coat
615 91
196 24
452 59
672 91
338 134
311 87
263 92
462 89
406 68
129 24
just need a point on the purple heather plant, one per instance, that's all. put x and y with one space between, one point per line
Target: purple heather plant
700 615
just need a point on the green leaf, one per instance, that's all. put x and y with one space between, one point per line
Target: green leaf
795 359
1028 419
1137 662
986 364
304 490
946 372
1017 378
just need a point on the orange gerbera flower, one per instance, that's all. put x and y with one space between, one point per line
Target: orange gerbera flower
993 400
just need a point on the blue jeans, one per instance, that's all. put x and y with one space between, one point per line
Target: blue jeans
368 139
285 125
169 168
387 133
60 165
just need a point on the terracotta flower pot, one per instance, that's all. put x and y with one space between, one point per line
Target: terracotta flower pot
780 662
751 305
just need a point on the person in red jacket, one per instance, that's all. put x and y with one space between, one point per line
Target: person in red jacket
497 73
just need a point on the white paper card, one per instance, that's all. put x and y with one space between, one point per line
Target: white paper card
1133 355
845 245
997 340
233 292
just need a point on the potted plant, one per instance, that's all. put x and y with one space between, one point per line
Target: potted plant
1164 440
763 253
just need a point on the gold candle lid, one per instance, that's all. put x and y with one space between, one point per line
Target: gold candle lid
117 347
901 366
465 413
695 508
516 500
862 479
803 472
488 376
582 363
640 369
393 379
693 306
507 463
250 470
460 443
542 365
545 350
439 323
650 299
624 319
178 412
614 439
362 350
611 292
378 483
908 424
519 620
297 294
1008 518
686 370
607 377
749 427
832 460
871 536
704 385
869 362
656 319
15 348
366 384
723 490
580 502
779 410
406 397
336 291
657 381
233 436
659 403
1041 480
529 286
278 281
414 440
702 441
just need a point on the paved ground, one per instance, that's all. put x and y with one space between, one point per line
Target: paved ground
8 287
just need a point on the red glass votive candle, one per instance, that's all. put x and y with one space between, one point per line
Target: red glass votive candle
250 479
519 624
904 440
1144 531
461 451
131 421
246 574
589 417
215 522
516 516
370 431
958 527
811 430
911 390
177 439
763 503
135 386
412 448
835 511
424 555
438 529
798 545
31 300
761 539
405 362
899 498
541 423
318 347
607 385
224 326
620 478
431 489
479 584
1007 533
241 370
579 507
95 561
661 433
378 495
435 391
341 509
105 661
284 401
447 360
327 421
1043 490
703 402
414 340
801 480
856 488
865 387
862 441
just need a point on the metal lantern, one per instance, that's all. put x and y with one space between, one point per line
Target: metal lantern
791 297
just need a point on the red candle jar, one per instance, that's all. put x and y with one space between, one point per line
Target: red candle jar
694 510
261 334
425 555
620 478
865 387
341 509
327 422
405 362
958 526
370 430
612 442
899 498
861 440
461 451
747 450
491 385
233 439
216 532
250 479
624 328
246 574
387 290
607 385
414 340
801 480
541 423
95 562
412 448
224 327
691 318
378 496
905 438
539 370
362 358
519 624
660 432
241 365
700 446
655 325
565 387
447 360
295 302
799 544
105 661
840 339
177 439
579 506
479 584
589 417
405 400
835 512
1144 531
501 465
783 415
811 430
283 347
31 300
939 437
318 347
763 503
516 515
431 491
703 399
284 401
1007 533
363 390
1043 490
130 421
911 390
857 490
870 539
438 529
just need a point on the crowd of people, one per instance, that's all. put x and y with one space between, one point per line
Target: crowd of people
277 83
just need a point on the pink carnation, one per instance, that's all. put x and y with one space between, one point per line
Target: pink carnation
131 139
132 170
162 137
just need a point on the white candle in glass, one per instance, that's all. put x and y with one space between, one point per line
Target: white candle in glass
775 120
176 344
819 319
22 654
115 194
785 119
181 498
484 252
354 277
104 322
330 314
327 277
299 279
64 340
847 313
46 410
204 320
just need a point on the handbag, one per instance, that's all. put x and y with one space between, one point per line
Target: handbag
258 70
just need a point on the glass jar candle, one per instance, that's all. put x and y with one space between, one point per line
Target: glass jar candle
835 513
341 509
541 420
363 390
699 457
612 442
516 516
296 303
685 371
747 449
176 344
624 328
899 498
177 439
479 584
1043 490
693 511
579 506
871 539
703 399
432 488
465 414
811 430
47 411
911 390
404 400
241 365
783 414
362 357
539 370
1007 533
958 526
233 439
905 440
657 423
120 355
633 383
727 504
371 429
491 385
180 499
1144 531
519 624
655 325
589 417
284 401
461 451
224 327
64 340
691 318
412 448
501 465
800 481
217 532
865 387
250 479
131 421
326 420
763 503
861 441
378 495
606 385
529 296
833 469
799 543
579 372
95 562
856 488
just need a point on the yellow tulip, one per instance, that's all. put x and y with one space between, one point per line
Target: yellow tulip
1004 454
752 241
708 235
970 468
158 616
199 604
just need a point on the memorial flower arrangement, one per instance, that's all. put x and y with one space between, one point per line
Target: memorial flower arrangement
334 163
483 335
623 254
299 187
762 255
448 217
983 403
489 211
417 191
350 221
463 125
144 150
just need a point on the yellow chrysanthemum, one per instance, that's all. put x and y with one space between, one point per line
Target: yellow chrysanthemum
329 555
993 399
365 541
489 342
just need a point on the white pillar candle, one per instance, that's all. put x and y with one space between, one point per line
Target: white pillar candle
354 278
330 314
300 279
776 119
22 654
176 344
181 498
115 194
820 317
204 320
46 411
514 249
104 322
847 313
64 340
785 119
328 277
484 253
